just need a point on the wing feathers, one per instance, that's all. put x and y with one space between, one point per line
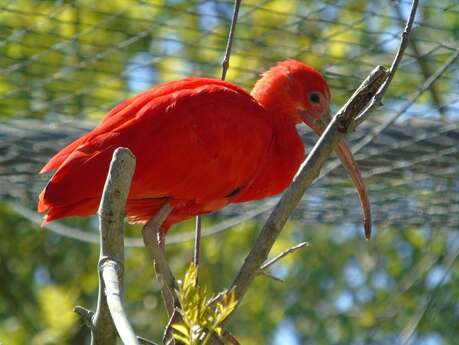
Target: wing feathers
198 142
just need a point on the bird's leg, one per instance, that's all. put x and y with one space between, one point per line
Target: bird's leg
154 242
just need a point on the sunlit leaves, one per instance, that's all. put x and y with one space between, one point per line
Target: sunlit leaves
56 306
201 318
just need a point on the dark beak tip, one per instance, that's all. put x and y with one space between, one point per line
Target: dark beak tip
367 226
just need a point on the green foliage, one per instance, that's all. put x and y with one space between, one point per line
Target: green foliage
63 59
201 316
59 320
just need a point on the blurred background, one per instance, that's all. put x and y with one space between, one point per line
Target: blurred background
64 64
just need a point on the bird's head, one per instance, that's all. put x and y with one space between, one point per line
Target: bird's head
297 93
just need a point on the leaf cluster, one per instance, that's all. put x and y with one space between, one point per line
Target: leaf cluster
202 316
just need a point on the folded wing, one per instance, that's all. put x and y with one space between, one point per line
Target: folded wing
194 140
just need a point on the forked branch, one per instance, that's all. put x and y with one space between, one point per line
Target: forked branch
366 98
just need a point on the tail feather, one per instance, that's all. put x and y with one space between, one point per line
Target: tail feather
42 206
85 207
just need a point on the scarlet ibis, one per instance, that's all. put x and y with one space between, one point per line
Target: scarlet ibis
200 145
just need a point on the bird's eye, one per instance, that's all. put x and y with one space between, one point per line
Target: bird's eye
314 97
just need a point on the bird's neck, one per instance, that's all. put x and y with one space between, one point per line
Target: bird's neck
274 92
284 156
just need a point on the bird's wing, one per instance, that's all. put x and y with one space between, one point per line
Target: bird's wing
129 110
196 142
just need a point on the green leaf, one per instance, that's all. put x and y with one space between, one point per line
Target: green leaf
182 329
200 317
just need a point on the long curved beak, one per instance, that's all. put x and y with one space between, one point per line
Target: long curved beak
344 154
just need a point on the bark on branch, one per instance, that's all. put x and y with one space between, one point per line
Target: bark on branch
111 216
110 318
310 169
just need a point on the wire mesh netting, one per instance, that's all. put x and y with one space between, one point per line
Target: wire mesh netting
64 64
64 61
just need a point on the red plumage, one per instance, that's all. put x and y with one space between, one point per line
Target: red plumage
200 144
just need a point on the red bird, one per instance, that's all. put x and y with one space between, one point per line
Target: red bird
200 145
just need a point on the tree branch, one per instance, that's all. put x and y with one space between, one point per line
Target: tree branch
110 315
366 98
375 131
404 40
335 131
409 102
86 315
423 66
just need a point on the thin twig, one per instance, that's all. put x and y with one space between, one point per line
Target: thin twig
144 341
225 66
390 120
197 242
86 315
286 252
269 275
404 39
423 66
111 214
230 338
229 44
175 318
